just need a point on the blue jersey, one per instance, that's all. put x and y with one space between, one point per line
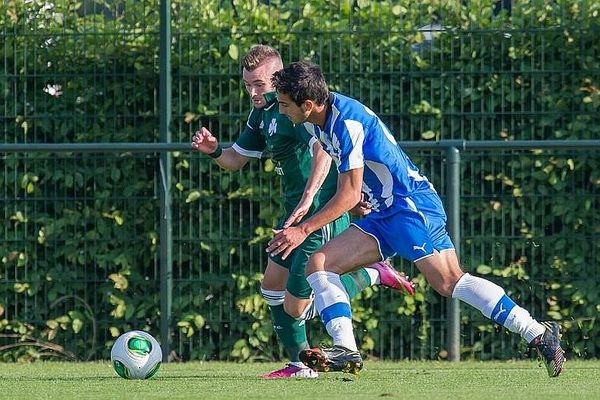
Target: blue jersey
355 137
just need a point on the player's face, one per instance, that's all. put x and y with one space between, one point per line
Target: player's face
290 109
258 82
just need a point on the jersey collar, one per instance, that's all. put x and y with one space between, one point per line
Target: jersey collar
271 99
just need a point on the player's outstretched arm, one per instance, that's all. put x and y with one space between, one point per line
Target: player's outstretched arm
321 165
228 158
347 196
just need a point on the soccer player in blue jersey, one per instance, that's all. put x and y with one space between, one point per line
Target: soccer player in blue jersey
407 219
304 168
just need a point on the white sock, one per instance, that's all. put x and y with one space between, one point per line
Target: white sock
333 305
273 297
298 364
309 312
520 321
491 300
373 275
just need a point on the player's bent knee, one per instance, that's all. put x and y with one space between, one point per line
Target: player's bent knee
275 277
293 310
445 286
316 262
295 307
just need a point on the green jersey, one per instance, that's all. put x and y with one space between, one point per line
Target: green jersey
270 133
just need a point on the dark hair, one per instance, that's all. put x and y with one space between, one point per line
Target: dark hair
302 81
257 54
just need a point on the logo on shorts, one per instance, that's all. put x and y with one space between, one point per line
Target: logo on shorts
422 248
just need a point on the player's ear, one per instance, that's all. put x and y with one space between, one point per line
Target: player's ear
307 106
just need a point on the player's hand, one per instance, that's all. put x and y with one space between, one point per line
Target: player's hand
204 141
361 208
299 212
286 240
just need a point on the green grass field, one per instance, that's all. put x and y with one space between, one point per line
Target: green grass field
215 380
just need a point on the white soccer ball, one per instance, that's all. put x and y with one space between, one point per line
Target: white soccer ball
136 355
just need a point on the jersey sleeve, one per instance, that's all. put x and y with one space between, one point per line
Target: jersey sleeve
251 143
347 141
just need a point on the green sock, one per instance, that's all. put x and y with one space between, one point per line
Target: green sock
355 282
291 333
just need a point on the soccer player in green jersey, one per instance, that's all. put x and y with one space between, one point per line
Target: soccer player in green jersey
298 156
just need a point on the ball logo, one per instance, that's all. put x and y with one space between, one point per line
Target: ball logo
139 346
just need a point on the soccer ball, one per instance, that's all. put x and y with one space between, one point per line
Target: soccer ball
136 355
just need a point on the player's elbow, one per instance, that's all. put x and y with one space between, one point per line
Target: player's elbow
231 164
227 167
353 197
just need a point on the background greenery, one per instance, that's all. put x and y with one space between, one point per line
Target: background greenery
79 237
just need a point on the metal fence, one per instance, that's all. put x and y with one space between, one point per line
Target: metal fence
494 246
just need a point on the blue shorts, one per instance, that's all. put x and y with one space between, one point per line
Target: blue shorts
414 230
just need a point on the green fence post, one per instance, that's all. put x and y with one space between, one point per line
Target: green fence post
453 196
166 227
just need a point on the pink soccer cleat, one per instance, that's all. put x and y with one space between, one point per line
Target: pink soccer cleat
292 371
393 279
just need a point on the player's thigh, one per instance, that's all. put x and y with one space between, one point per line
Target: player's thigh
297 286
350 250
275 277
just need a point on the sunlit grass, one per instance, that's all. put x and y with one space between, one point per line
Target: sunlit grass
215 380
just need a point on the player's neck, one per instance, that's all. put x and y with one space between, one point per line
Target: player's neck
321 112
319 116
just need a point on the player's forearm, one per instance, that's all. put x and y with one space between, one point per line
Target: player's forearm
230 160
346 197
320 167
335 208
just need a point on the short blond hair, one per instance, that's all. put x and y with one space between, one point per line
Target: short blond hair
258 54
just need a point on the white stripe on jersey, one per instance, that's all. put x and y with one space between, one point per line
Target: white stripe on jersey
415 175
247 153
331 146
418 177
334 151
413 207
310 128
387 132
386 179
311 143
357 135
